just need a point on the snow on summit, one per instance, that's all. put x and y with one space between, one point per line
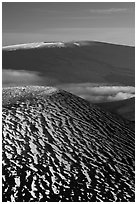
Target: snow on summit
34 45
46 45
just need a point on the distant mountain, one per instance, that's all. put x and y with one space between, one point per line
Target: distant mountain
59 147
74 62
47 45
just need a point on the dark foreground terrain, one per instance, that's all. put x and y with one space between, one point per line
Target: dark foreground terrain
124 109
59 147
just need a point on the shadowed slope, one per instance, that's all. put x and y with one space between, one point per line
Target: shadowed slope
58 147
124 108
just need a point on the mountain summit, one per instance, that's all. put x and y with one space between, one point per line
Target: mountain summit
59 147
47 45
73 62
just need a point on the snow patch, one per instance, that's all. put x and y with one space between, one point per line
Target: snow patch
33 45
76 44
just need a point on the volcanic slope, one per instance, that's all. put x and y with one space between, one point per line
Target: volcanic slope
89 61
59 147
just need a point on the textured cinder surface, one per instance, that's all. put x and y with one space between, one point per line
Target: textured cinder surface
58 147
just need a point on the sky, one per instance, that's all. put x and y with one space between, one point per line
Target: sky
24 22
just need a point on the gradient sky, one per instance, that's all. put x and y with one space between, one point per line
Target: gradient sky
65 21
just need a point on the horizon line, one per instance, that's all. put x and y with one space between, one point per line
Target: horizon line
66 41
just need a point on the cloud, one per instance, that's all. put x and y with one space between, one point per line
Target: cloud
100 92
108 11
120 96
20 77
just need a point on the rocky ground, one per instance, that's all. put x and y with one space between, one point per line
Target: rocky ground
59 147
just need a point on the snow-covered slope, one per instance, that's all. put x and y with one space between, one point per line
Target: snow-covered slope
59 147
34 45
48 45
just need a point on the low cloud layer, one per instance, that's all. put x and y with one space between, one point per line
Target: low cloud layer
90 91
100 93
22 78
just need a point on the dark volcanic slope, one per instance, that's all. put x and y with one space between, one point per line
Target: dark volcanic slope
58 147
89 62
124 108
